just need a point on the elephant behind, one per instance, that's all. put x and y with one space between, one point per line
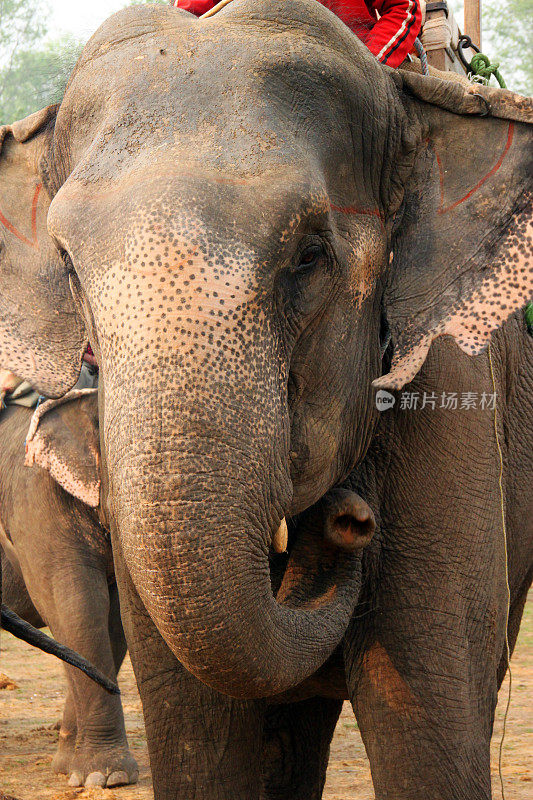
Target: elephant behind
58 571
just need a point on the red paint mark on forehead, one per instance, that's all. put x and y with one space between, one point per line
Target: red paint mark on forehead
12 229
369 212
357 211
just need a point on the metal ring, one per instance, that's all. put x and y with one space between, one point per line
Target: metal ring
465 41
488 107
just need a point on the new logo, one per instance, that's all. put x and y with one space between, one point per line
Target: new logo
384 400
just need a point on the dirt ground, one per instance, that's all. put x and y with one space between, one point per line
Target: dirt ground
28 714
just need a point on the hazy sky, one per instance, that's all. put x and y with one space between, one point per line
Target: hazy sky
81 17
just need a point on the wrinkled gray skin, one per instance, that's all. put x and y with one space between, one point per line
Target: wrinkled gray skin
236 204
425 651
58 571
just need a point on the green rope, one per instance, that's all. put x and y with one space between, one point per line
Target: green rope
481 66
529 317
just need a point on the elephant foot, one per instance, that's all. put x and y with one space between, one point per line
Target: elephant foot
65 752
93 767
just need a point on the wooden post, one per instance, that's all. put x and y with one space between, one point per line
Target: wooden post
473 20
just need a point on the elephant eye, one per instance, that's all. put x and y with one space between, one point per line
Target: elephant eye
310 256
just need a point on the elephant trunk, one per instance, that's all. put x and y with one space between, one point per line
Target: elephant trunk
196 432
196 522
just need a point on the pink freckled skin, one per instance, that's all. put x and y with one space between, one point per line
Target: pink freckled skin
39 453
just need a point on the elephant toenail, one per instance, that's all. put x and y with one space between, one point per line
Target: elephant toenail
95 779
118 778
75 780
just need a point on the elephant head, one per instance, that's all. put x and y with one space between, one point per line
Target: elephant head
231 207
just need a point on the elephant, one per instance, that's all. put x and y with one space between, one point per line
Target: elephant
58 571
235 212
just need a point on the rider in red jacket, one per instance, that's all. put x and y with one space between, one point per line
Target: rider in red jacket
387 27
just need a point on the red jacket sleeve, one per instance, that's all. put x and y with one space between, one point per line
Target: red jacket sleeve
393 35
196 7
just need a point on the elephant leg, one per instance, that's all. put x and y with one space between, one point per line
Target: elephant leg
513 627
424 704
93 747
422 675
117 636
202 744
422 678
422 666
66 759
68 731
297 739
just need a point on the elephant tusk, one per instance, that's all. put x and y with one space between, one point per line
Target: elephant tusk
281 538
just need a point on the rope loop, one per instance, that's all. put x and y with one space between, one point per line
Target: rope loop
479 70
481 67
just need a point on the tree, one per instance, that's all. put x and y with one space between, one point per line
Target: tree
21 25
36 77
509 36
32 70
507 33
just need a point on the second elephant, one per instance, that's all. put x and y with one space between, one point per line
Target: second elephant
58 571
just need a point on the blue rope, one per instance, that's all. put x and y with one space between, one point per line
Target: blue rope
419 47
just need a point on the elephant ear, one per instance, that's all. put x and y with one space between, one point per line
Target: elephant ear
42 338
463 240
64 440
